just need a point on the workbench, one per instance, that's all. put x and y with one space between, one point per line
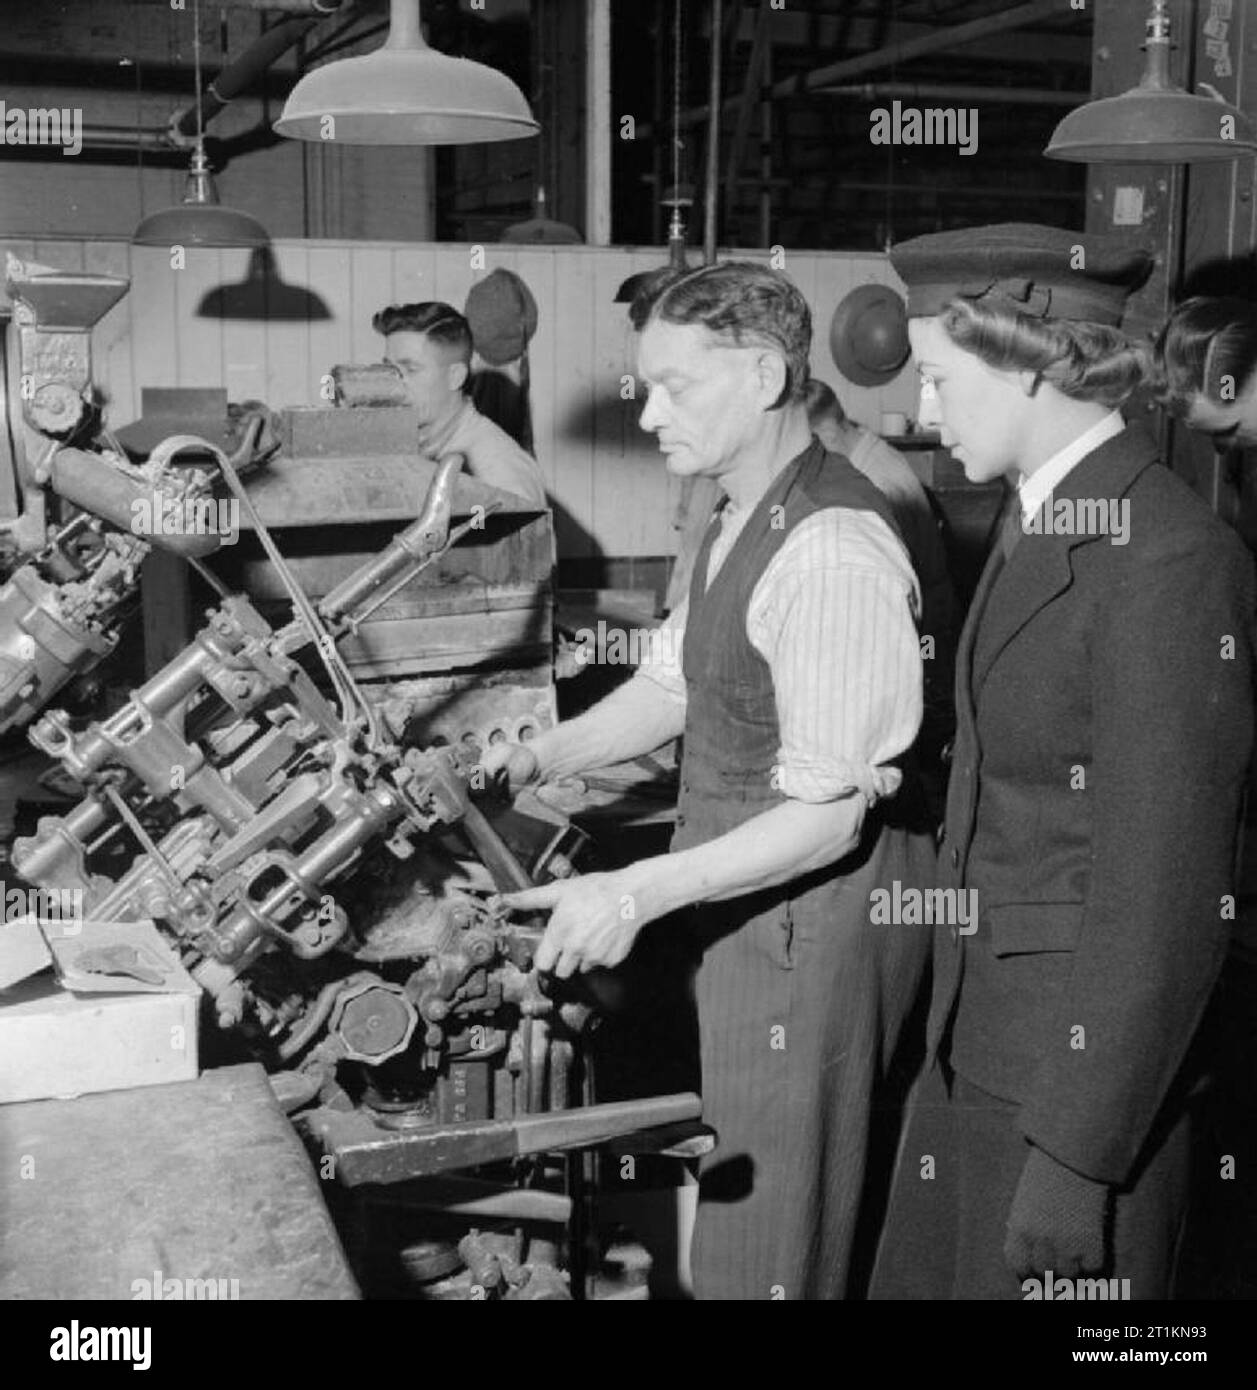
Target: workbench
198 1180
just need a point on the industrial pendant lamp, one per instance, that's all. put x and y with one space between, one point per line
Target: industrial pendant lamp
1157 122
540 230
405 93
200 220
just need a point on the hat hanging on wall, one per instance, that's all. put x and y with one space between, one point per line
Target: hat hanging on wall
868 337
502 315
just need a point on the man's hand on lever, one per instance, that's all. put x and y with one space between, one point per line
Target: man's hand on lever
594 920
517 761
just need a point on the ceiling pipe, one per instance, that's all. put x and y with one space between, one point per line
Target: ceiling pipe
1007 96
127 137
313 7
243 71
943 39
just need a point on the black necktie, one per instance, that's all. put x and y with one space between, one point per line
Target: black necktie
1011 527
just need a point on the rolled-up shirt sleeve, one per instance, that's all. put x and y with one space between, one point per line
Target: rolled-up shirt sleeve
661 654
832 615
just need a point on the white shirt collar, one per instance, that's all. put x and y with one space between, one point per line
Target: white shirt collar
1034 491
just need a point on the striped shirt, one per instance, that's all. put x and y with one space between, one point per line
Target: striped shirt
833 615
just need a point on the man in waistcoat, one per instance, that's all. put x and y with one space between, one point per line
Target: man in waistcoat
793 671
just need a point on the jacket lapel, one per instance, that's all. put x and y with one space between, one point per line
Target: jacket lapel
1041 566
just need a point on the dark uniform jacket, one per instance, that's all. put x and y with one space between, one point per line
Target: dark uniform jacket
1104 725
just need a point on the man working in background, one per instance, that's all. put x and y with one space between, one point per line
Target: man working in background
1205 368
430 344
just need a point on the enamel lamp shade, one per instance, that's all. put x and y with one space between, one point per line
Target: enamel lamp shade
406 93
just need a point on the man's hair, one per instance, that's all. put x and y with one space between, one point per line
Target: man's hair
440 322
1203 341
821 403
1085 361
746 304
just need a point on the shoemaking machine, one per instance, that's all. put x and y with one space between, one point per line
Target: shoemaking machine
296 797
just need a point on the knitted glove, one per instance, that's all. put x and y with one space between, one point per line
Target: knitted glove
1057 1220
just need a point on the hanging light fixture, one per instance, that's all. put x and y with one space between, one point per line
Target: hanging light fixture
405 93
1157 122
679 195
540 230
200 220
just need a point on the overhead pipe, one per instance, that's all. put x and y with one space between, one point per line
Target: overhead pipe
314 7
1008 96
954 36
252 63
152 138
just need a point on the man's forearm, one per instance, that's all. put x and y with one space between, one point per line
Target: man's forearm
778 845
635 718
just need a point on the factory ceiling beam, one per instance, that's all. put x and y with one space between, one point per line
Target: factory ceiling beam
940 41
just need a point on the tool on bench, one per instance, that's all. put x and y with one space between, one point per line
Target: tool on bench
118 960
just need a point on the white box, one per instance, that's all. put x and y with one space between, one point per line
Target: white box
54 1043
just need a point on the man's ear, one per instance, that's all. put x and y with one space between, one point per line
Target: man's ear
458 375
771 377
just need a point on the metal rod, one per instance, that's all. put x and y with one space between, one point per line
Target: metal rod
766 149
713 133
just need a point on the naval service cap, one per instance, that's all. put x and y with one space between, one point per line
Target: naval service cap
1043 272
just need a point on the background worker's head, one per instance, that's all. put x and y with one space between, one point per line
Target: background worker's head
723 354
1014 329
826 416
430 344
1206 368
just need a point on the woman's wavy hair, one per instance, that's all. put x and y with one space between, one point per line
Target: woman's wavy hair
1205 340
747 304
1086 361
